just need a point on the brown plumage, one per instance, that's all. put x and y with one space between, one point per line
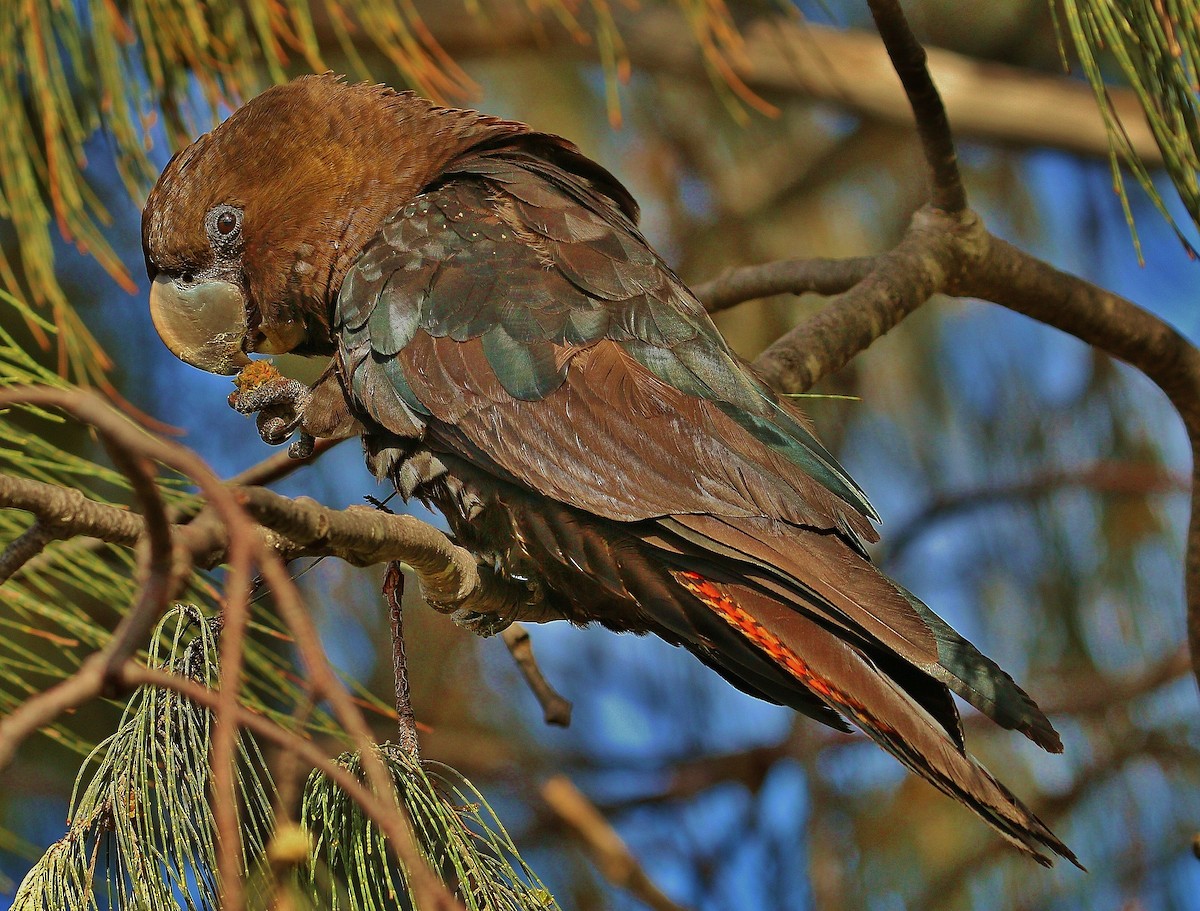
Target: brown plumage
515 354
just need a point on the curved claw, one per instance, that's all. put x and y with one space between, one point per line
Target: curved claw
482 625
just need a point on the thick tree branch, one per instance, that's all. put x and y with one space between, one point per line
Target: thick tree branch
359 535
934 250
70 509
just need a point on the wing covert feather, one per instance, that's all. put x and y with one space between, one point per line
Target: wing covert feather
516 312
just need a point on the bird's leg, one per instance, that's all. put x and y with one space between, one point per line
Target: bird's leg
279 403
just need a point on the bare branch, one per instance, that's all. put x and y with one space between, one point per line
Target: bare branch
45 708
910 63
25 547
555 709
935 248
845 67
789 276
359 535
1102 477
393 595
610 853
69 509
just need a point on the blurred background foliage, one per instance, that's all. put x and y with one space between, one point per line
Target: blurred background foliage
1031 489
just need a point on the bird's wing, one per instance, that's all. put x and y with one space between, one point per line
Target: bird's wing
517 318
548 343
527 325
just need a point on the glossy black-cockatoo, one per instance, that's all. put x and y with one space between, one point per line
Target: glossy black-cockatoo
516 355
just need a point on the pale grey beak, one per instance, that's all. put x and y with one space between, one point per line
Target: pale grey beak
203 324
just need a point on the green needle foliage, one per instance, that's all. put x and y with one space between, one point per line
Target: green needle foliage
141 831
62 604
457 833
1155 47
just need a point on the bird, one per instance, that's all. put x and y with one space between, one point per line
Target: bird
515 354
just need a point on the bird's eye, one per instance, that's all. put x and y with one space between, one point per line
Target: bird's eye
224 225
188 277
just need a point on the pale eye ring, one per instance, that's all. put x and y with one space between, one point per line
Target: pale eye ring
224 226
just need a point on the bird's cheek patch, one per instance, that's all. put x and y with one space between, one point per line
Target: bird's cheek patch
203 324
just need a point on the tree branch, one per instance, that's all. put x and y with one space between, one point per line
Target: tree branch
1102 477
610 853
25 547
844 67
359 535
909 60
555 709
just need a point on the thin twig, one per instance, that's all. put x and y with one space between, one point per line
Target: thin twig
25 547
159 574
1102 477
393 595
235 616
556 710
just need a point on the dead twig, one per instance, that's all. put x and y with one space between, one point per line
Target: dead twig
393 595
556 710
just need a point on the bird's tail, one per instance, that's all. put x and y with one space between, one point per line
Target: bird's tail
844 678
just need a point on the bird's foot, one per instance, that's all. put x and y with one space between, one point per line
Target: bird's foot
482 625
279 403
